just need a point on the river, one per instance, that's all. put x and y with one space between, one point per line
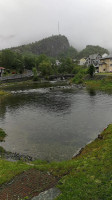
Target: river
52 124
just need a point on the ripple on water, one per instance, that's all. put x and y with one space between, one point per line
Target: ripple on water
53 124
41 90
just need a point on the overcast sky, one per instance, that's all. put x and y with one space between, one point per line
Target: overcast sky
82 21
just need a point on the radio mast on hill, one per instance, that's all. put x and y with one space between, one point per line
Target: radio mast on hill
58 29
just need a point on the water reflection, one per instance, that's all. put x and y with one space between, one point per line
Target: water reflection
2 108
91 92
53 124
56 102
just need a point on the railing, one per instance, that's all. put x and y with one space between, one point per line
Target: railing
29 74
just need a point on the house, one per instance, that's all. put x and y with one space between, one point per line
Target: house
104 55
82 61
94 60
1 71
105 64
58 62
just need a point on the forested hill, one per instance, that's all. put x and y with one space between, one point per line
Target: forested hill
58 46
53 46
90 49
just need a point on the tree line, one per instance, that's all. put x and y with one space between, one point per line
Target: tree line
14 61
42 65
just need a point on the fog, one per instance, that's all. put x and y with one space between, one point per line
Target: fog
83 22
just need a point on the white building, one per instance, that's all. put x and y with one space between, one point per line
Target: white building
94 60
82 61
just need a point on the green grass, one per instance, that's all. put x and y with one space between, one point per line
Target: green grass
4 93
10 169
104 84
79 77
89 175
104 73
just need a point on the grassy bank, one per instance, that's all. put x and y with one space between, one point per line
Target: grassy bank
87 176
4 93
8 170
104 84
32 84
100 81
90 174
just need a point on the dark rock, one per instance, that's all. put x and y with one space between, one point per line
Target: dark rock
100 137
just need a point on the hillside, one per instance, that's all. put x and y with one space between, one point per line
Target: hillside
90 49
53 46
58 46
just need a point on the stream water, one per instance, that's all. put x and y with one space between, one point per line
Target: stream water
52 124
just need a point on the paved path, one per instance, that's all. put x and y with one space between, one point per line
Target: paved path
17 76
30 183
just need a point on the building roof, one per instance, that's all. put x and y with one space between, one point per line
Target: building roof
104 55
103 63
93 56
107 57
2 68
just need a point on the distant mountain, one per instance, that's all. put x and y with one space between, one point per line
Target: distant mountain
90 49
58 46
53 46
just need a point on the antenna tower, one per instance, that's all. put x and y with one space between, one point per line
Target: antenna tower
58 29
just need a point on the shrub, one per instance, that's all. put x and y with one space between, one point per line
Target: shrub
2 134
35 76
91 70
79 76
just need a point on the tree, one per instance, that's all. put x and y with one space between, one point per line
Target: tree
29 62
45 68
41 58
7 58
19 65
91 70
12 60
0 59
66 66
35 75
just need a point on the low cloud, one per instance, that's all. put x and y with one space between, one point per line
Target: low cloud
82 21
7 37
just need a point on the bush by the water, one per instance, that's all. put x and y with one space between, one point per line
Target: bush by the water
3 93
91 70
2 150
2 134
78 78
35 75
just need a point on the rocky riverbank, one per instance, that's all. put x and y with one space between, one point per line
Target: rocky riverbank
15 156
